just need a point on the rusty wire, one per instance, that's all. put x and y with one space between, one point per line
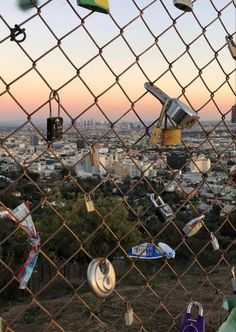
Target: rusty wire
160 301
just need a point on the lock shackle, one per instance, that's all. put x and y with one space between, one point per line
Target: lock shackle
230 41
212 236
152 198
54 95
156 92
200 308
233 271
162 114
160 199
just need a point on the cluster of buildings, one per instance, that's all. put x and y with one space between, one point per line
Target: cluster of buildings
126 152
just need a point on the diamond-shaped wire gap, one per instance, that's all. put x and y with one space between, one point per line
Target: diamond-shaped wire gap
39 91
93 124
74 314
225 18
59 24
199 7
135 90
201 43
99 85
4 30
11 52
168 84
118 56
130 13
171 50
210 31
137 36
31 318
80 56
38 40
157 28
49 65
190 70
105 33
188 35
213 69
109 101
16 112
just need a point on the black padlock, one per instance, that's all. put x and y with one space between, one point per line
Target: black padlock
54 124
163 210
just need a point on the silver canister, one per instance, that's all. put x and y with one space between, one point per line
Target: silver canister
176 110
181 114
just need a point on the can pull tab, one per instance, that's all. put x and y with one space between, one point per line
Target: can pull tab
233 280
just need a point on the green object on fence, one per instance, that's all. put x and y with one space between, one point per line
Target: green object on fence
27 4
101 6
230 324
230 303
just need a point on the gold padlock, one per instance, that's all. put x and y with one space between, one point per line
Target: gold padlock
231 46
155 136
157 131
101 6
94 158
89 203
171 136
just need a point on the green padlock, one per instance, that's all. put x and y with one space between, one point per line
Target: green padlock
27 4
230 324
101 6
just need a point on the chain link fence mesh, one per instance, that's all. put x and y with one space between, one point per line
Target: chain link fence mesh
57 297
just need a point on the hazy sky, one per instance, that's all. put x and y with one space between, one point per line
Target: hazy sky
31 91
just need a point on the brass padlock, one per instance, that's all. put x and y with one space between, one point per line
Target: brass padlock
214 242
231 46
171 136
176 110
193 226
89 203
129 316
185 5
101 6
157 131
94 158
155 136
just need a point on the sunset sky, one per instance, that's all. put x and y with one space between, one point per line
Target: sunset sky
31 91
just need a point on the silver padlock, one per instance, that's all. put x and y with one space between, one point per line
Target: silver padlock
214 242
176 110
185 5
193 226
101 277
129 316
233 280
163 210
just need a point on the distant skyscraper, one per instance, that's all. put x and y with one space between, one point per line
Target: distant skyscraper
233 114
34 140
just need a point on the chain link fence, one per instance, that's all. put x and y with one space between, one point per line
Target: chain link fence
93 67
